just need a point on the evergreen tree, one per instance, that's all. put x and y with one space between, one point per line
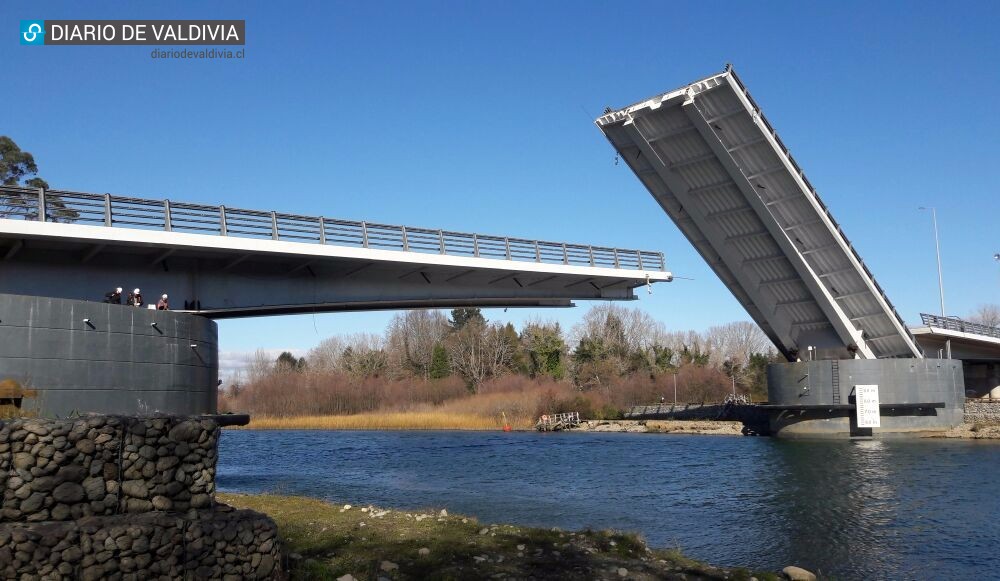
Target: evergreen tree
288 362
18 168
440 366
545 349
465 315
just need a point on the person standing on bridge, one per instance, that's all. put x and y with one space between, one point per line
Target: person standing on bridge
163 304
135 298
114 297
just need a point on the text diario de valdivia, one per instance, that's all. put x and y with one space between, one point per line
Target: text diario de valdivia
163 32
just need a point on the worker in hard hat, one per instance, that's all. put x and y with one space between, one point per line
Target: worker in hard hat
163 304
135 298
114 297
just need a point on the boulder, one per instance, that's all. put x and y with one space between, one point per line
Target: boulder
186 431
135 489
794 573
68 492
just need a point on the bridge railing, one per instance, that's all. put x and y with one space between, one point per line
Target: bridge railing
121 211
956 324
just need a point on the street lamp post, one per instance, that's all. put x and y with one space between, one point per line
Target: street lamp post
937 248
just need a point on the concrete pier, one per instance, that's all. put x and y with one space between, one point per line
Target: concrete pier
64 356
816 398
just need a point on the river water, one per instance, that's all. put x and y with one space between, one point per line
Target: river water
862 509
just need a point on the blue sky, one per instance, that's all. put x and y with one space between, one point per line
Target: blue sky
478 116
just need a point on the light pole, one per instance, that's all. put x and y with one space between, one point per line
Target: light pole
732 372
937 247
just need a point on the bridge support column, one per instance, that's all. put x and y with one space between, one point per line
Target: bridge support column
60 356
816 398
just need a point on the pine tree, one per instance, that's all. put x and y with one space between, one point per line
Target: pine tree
440 366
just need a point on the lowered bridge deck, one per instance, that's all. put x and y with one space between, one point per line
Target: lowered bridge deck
227 262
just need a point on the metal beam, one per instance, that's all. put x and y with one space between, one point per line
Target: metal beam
356 270
779 324
542 280
833 230
301 266
720 213
780 280
727 115
18 245
738 237
746 144
844 328
162 256
94 251
234 262
504 277
459 275
692 161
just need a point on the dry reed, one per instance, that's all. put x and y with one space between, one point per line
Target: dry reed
414 420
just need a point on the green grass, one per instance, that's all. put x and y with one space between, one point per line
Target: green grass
327 542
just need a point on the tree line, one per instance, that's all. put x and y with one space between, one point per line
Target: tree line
614 358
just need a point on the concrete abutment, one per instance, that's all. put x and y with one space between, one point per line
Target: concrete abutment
816 398
71 356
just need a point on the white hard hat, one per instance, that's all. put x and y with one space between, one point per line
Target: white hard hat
136 291
118 290
164 296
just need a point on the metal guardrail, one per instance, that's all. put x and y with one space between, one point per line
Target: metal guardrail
120 211
956 324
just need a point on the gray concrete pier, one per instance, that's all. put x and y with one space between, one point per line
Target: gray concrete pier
816 398
77 356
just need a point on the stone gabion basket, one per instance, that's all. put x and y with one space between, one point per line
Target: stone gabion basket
103 465
220 544
108 496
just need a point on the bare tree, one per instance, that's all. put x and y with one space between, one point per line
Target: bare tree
411 337
364 355
736 342
988 315
326 356
479 351
621 332
258 366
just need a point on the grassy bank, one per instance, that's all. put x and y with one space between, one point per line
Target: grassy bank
384 421
450 421
328 541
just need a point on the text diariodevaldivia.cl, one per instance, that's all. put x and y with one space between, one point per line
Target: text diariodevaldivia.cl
211 53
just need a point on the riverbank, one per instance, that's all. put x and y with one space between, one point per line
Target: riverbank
385 421
970 431
327 541
699 427
472 422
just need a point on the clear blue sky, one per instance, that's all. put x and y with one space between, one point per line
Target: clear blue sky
479 116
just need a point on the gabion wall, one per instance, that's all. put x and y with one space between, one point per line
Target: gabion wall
99 496
982 411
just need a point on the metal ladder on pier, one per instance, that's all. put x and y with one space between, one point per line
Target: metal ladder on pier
835 380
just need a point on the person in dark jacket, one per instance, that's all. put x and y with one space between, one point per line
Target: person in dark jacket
135 298
114 297
163 304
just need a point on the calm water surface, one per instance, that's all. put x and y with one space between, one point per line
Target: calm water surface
864 509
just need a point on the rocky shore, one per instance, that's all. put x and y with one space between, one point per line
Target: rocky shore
701 427
970 431
347 543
